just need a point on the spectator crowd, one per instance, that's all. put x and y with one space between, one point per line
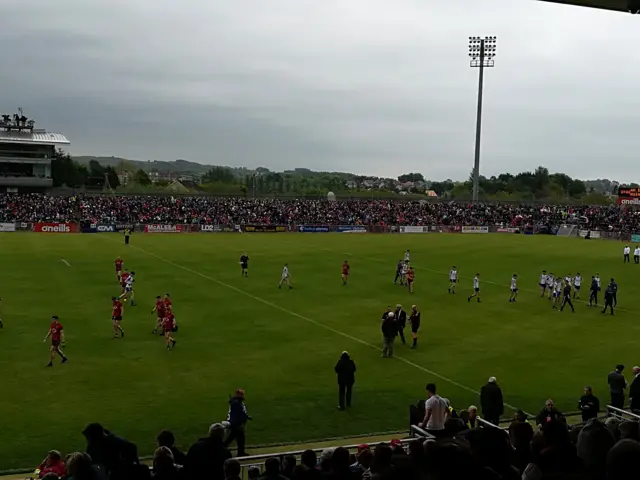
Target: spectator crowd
111 209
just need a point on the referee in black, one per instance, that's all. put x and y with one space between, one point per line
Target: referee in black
614 287
566 292
608 299
593 292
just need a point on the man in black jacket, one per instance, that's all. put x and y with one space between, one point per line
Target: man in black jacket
401 320
389 334
634 391
205 459
346 371
608 299
108 450
491 401
549 414
617 386
589 404
593 292
237 418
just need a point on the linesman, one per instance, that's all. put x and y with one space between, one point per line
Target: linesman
127 235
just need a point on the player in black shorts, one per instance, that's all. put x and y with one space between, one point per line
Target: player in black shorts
244 263
414 321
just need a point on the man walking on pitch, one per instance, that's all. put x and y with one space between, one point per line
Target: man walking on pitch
636 255
617 386
399 267
566 292
476 288
626 252
389 333
614 287
491 401
56 332
401 320
346 371
414 321
593 292
608 299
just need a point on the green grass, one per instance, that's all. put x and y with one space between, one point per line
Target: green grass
281 346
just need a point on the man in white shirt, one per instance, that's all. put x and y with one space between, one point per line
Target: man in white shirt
626 253
453 279
550 280
476 288
407 256
514 288
636 255
543 282
437 413
285 277
577 283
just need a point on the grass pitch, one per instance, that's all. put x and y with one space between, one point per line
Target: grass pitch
281 346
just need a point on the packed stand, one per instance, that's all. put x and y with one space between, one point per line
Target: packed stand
237 211
595 450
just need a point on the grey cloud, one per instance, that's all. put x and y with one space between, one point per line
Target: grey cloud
369 86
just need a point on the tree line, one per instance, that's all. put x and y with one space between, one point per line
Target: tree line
539 185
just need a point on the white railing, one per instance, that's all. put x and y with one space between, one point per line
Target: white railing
622 414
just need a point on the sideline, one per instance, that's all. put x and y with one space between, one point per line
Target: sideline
314 322
65 262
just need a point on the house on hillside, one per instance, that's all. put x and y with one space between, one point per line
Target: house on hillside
351 184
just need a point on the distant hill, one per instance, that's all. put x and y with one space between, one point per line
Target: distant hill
176 166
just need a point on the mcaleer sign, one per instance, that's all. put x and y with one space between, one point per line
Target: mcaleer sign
7 227
55 227
163 228
413 229
468 229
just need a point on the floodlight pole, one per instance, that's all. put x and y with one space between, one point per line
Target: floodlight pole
481 51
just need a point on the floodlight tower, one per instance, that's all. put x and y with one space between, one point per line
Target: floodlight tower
482 52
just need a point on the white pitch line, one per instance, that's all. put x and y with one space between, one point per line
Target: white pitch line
379 260
65 262
314 322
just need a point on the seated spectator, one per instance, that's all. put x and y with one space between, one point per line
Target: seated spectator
340 465
364 459
307 470
288 465
521 434
594 442
272 470
622 460
164 466
629 430
381 464
470 417
233 470
549 414
108 450
553 453
253 473
80 466
166 439
53 463
492 451
206 457
449 460
325 460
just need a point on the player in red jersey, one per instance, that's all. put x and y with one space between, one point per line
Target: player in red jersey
56 332
345 272
118 263
116 316
168 326
161 310
410 277
167 303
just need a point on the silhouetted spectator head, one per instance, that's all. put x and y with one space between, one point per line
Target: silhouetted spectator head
622 460
166 439
449 460
490 447
594 442
217 431
94 432
163 460
309 459
340 460
79 466
232 468
288 465
253 473
365 459
629 430
382 455
272 466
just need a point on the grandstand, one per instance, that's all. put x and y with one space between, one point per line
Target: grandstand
25 154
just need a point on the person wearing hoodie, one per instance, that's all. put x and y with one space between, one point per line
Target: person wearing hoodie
108 450
346 371
205 459
237 418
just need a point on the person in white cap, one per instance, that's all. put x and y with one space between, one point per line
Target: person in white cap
389 334
491 401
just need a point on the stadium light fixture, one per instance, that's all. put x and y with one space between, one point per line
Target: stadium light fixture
482 53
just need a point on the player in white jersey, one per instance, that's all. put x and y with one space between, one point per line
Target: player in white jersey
476 288
557 290
453 279
514 288
598 281
543 282
550 280
403 273
636 255
407 256
626 252
129 294
577 283
286 276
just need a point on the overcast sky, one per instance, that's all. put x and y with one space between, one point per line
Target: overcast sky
378 87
